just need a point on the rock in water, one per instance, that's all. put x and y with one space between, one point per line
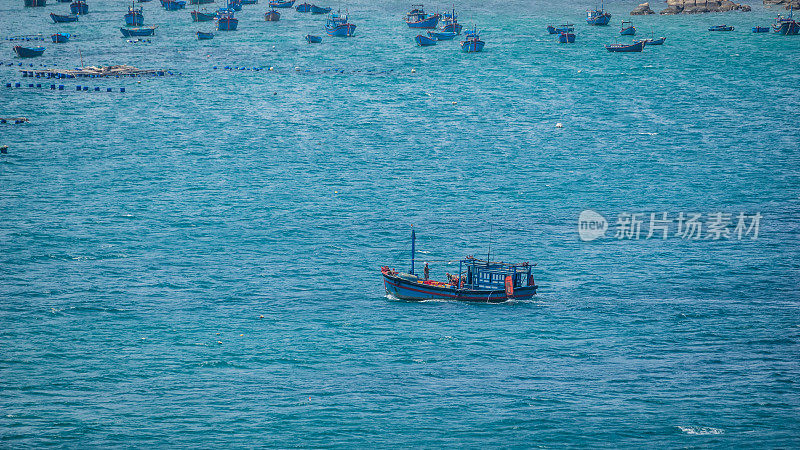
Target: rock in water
786 3
702 6
642 10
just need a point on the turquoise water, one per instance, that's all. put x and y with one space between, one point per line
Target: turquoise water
196 261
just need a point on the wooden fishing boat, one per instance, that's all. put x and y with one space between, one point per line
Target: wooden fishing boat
198 16
198 2
134 17
138 31
248 2
566 38
472 43
60 38
28 52
303 7
720 28
272 16
418 18
319 10
627 29
626 48
281 3
450 22
227 22
234 5
786 26
566 28
761 29
313 39
204 36
35 3
659 41
173 5
477 280
598 17
424 41
337 26
57 18
79 7
442 35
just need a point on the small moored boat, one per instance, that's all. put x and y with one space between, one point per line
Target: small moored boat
626 48
272 16
79 7
60 38
720 28
476 281
566 28
198 16
138 31
450 22
786 26
311 39
281 3
598 17
173 5
627 29
417 18
227 22
566 38
134 17
319 10
28 52
338 26
424 41
472 43
761 29
57 18
204 36
303 7
442 35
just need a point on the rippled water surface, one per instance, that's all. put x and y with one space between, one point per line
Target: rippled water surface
196 261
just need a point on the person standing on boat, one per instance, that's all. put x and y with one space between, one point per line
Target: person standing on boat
427 271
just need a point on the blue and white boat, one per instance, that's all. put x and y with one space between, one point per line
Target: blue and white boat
450 22
28 52
320 10
311 39
786 26
472 43
204 36
57 18
761 29
627 29
598 16
272 16
626 48
226 22
566 38
424 41
566 28
417 18
173 5
79 7
338 26
138 31
442 35
134 17
721 28
281 3
303 7
198 16
234 5
60 38
477 280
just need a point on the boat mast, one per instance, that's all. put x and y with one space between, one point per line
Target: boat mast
413 239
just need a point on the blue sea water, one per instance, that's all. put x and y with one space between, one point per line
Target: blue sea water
195 262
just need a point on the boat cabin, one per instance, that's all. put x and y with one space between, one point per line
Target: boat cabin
478 274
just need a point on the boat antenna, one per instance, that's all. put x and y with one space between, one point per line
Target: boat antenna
413 241
81 55
489 253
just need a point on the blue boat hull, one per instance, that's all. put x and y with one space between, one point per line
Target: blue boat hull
566 38
272 16
346 30
318 10
409 290
63 19
720 28
134 20
633 48
227 24
313 39
559 30
599 20
429 23
787 28
472 46
454 27
60 38
761 30
630 31
204 36
197 16
442 35
171 5
79 8
424 41
26 52
303 8
281 4
137 32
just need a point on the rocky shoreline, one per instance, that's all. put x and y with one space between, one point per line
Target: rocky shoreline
787 4
698 7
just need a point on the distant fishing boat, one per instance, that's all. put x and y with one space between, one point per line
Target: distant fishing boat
28 52
659 41
197 2
472 43
198 16
417 18
450 23
64 1
63 19
79 7
598 17
720 28
476 281
786 26
337 26
60 38
566 28
319 10
761 29
272 16
303 7
442 35
313 39
248 2
138 31
566 38
134 17
173 5
626 48
281 3
424 41
201 36
627 29
227 22
35 3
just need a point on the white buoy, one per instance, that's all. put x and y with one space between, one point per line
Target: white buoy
559 125
455 103
413 70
